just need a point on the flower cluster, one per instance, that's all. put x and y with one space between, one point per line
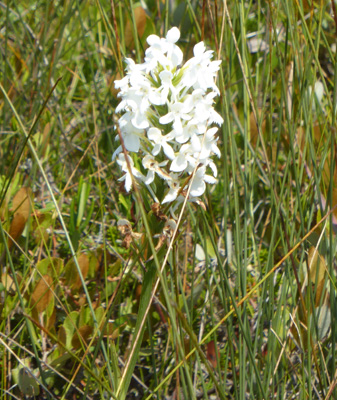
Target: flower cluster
167 116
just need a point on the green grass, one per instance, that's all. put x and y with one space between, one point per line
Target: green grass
223 311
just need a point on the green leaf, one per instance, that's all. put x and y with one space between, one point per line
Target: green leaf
52 266
69 326
85 316
28 383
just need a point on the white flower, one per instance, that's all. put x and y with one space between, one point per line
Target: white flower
136 100
184 158
178 112
198 184
174 185
187 133
167 116
160 95
122 84
204 110
160 141
130 134
153 166
200 71
180 163
205 145
164 51
127 177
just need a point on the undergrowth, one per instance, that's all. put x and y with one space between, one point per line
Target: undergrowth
237 302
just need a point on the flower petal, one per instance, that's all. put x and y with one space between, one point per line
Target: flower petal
173 35
179 163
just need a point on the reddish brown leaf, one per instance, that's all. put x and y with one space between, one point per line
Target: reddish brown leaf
72 276
17 226
140 18
211 353
21 202
42 293
21 209
50 321
82 335
62 335
83 262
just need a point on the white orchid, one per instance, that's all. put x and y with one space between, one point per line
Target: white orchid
125 168
164 51
160 141
200 71
153 167
198 184
167 116
178 112
174 185
159 96
205 145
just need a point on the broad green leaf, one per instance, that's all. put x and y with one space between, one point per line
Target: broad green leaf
28 383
